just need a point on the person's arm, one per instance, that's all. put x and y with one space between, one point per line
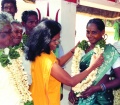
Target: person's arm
62 76
115 82
62 60
105 83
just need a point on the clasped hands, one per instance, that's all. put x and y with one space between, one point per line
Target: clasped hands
88 92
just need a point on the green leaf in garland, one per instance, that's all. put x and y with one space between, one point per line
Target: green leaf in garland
101 43
29 103
19 46
4 60
13 54
25 38
83 45
1 51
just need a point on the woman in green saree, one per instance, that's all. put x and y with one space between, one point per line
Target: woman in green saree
100 93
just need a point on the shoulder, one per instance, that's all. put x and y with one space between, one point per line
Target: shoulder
117 42
110 46
47 58
117 45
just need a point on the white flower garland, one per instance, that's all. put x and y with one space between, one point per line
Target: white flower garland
116 94
80 87
18 78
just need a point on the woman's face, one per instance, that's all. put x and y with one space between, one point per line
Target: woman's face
5 35
93 34
54 42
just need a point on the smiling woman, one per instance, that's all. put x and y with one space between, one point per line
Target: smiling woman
100 90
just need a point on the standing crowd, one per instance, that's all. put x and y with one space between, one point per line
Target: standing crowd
32 67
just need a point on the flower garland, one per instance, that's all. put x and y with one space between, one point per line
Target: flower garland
116 94
79 52
17 75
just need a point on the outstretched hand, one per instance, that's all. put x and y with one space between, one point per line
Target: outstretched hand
96 61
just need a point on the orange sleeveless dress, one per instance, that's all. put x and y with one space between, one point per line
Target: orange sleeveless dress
45 89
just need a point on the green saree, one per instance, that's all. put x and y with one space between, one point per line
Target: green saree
100 98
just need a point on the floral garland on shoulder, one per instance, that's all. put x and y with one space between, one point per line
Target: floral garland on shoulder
116 94
11 60
79 52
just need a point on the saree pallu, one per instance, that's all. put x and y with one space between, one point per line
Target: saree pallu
110 56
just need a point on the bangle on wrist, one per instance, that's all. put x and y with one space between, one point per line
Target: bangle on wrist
103 87
72 52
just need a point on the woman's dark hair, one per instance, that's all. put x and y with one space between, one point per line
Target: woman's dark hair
40 38
28 13
98 22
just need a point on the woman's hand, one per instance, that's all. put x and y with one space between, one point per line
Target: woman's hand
77 43
72 97
96 61
73 49
88 92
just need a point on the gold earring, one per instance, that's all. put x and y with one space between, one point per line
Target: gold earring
105 36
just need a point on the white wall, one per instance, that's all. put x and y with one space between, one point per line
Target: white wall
22 6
